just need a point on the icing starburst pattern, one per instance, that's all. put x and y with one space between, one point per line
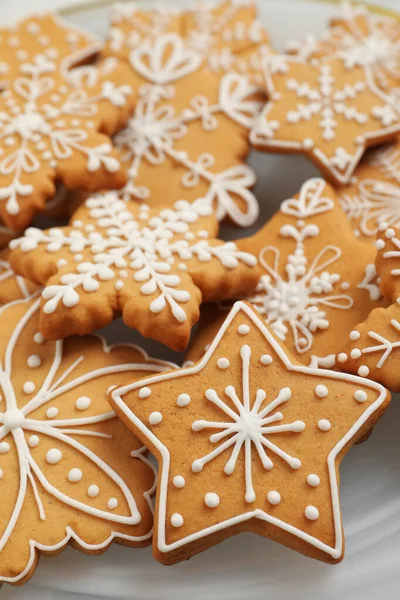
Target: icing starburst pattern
249 428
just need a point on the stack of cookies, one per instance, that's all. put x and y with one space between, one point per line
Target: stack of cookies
140 143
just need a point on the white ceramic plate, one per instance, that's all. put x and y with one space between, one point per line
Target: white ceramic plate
249 566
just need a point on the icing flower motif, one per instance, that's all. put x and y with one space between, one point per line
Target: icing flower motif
262 443
373 196
50 129
330 112
183 114
153 265
69 470
12 286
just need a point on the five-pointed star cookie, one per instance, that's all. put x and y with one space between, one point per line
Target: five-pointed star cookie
12 286
47 35
373 196
188 137
315 284
325 109
70 472
50 129
359 37
373 346
249 440
154 265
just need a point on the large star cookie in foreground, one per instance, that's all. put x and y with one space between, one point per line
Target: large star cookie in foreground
326 110
154 265
70 472
249 440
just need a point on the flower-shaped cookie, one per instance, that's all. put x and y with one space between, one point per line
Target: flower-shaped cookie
70 472
360 38
47 35
12 286
188 137
50 129
373 196
326 110
249 440
315 284
153 265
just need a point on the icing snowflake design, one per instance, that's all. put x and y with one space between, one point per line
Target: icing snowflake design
128 244
45 124
248 428
161 135
374 198
50 424
329 99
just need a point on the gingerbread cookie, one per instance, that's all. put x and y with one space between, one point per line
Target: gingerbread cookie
373 346
362 38
70 472
154 265
249 440
12 286
325 109
373 196
49 36
188 137
50 129
312 290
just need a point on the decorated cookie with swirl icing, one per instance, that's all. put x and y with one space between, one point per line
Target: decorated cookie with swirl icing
154 265
325 109
70 472
317 278
249 440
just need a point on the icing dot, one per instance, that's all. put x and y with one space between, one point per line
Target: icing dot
313 480
355 353
342 357
179 481
51 412
75 475
38 338
29 387
390 233
183 400
93 491
212 500
266 359
34 361
324 425
360 396
321 391
4 447
363 371
355 335
144 392
53 456
33 441
243 329
176 520
223 363
380 244
119 285
83 403
274 497
311 512
345 285
112 503
155 418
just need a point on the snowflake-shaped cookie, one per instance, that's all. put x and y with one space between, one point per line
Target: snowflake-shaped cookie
50 129
373 346
373 196
188 135
329 111
248 440
312 291
12 286
359 38
69 470
153 265
47 35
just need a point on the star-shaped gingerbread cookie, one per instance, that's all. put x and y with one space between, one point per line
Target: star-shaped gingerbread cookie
315 283
249 440
326 110
12 286
154 265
